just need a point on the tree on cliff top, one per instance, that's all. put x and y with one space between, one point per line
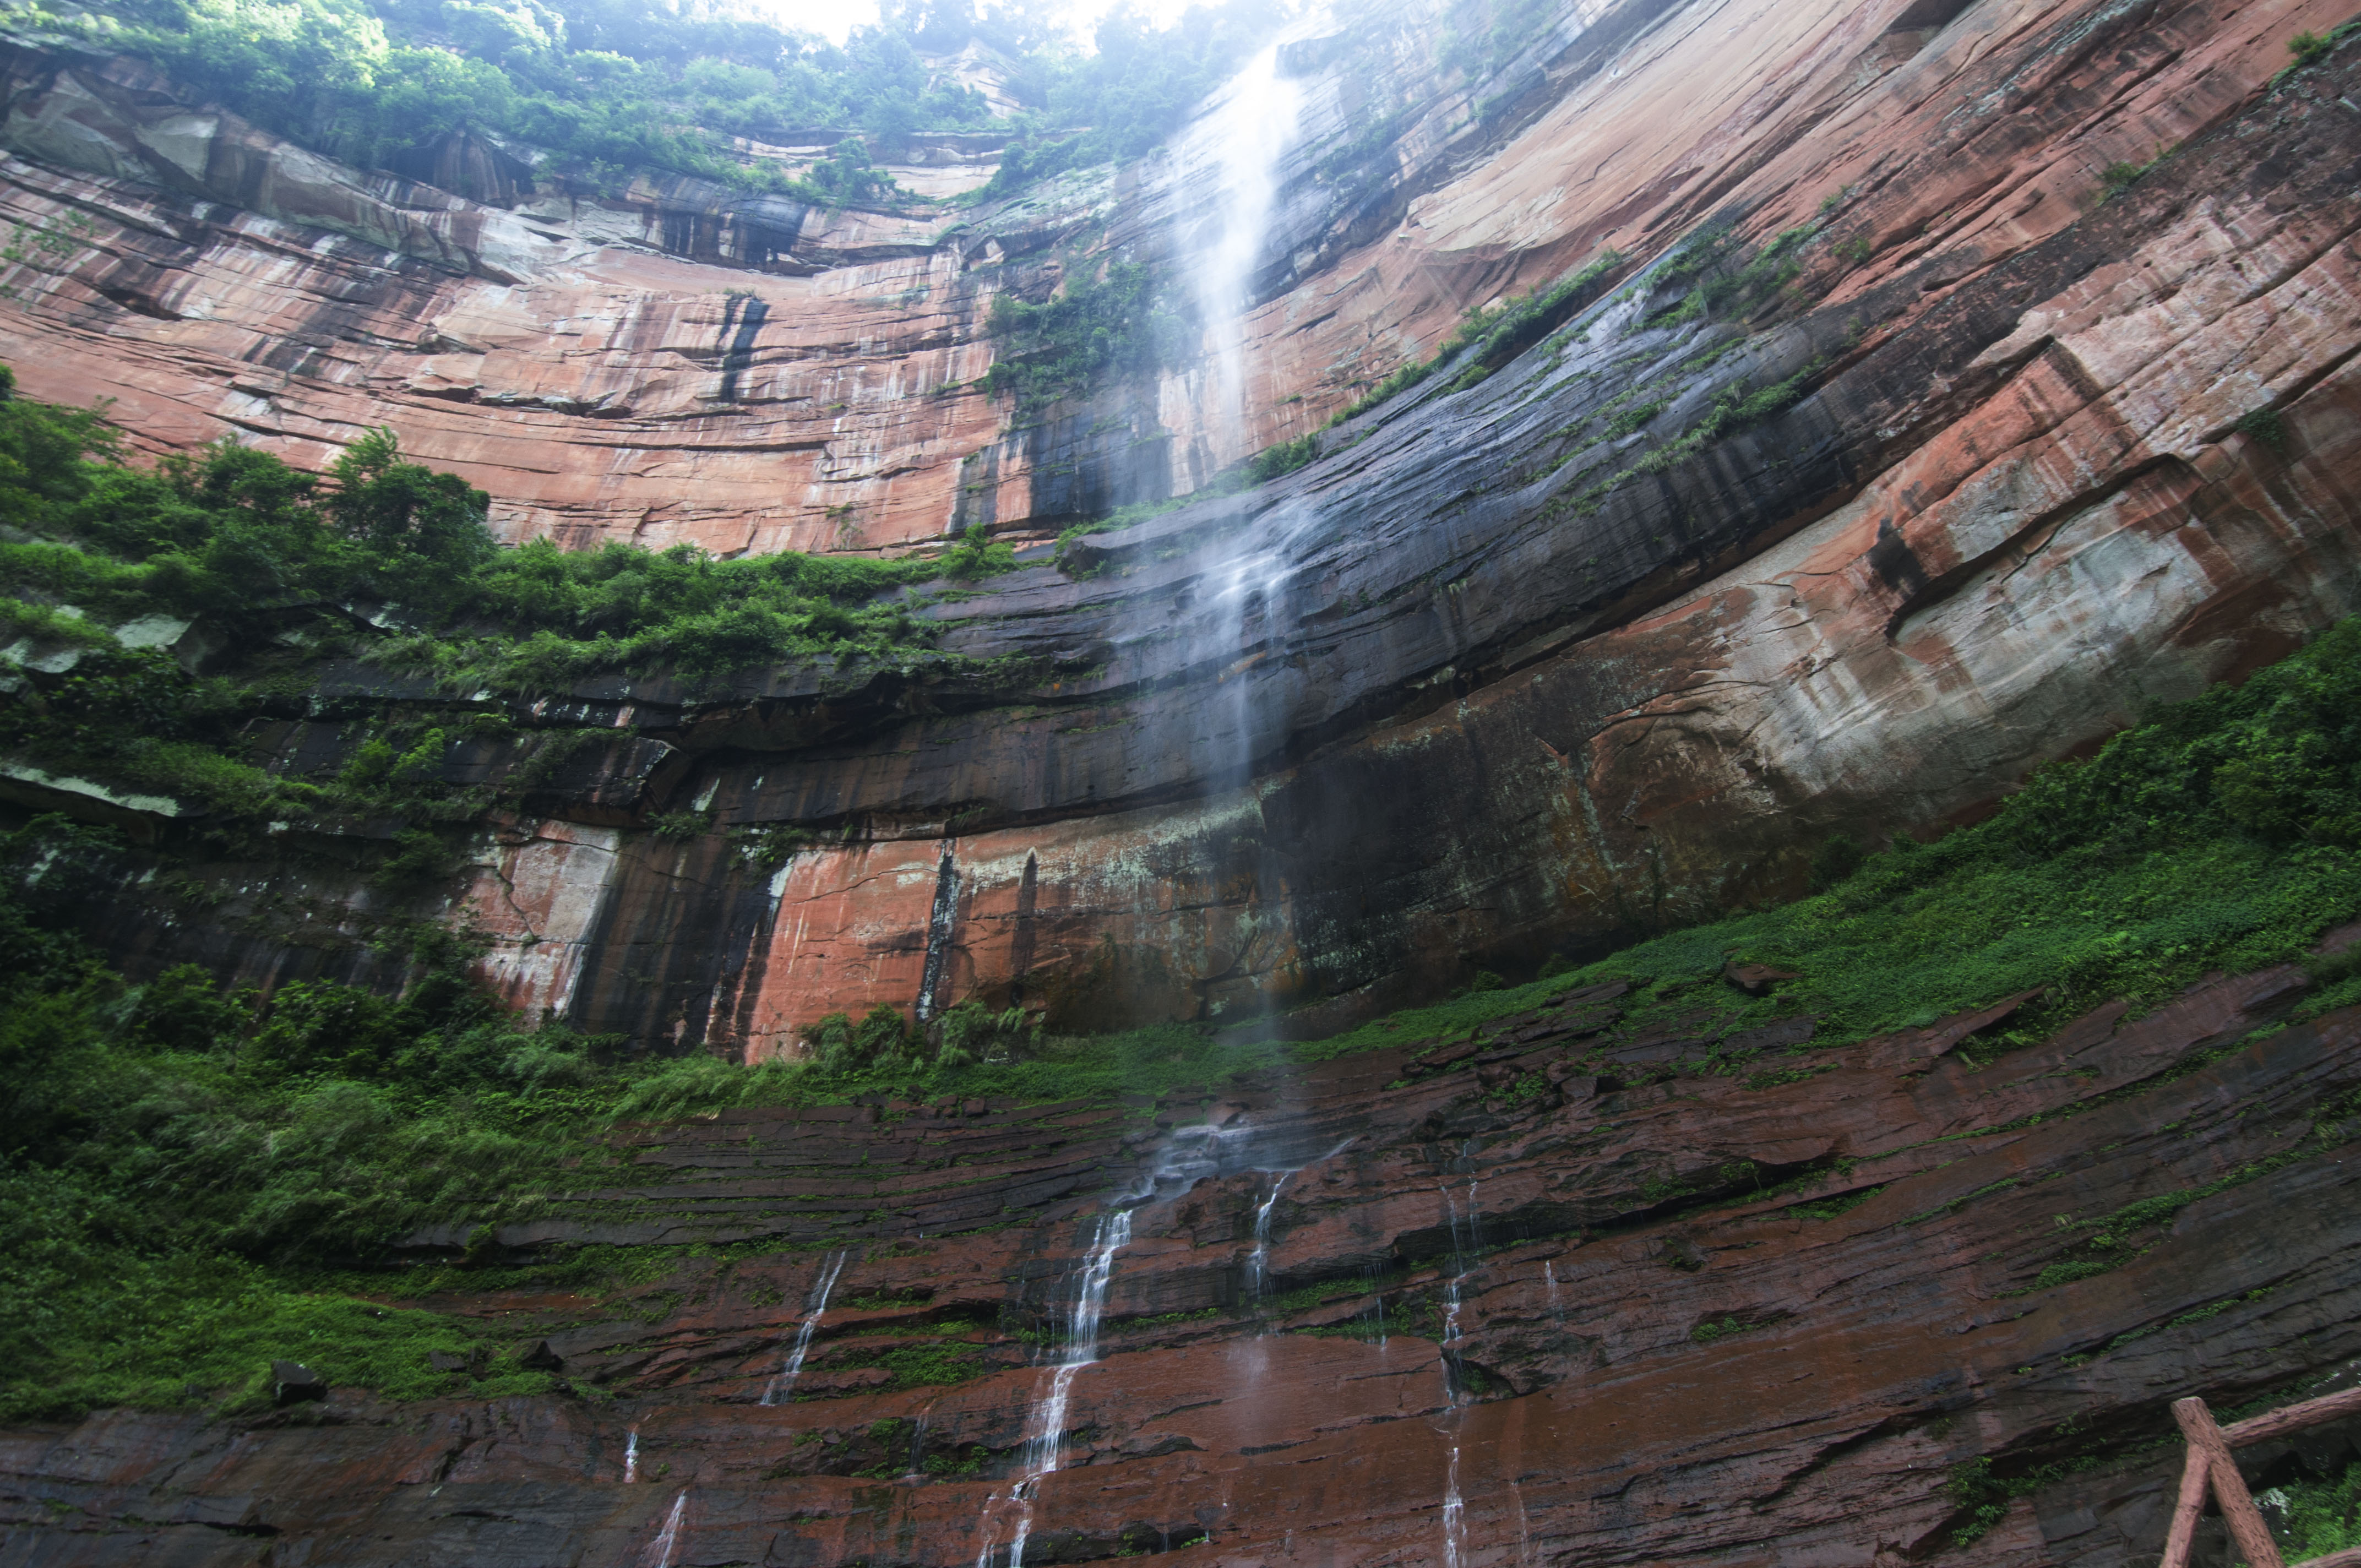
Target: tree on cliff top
613 84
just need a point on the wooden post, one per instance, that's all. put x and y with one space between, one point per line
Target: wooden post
2186 1507
2247 1527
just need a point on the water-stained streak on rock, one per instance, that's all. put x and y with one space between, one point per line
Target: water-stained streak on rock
742 322
941 923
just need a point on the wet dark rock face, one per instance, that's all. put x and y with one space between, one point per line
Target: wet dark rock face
1715 1306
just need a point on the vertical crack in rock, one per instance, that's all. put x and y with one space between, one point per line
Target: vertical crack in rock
940 925
1020 949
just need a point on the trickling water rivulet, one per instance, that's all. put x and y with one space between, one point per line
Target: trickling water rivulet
632 1456
667 1541
784 1381
1259 1261
1190 1155
1465 1238
1045 1432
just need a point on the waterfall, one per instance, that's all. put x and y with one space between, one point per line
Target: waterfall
660 1551
1243 140
1465 1235
815 1304
1187 1156
916 1472
632 1456
1258 1264
1455 1514
1047 1430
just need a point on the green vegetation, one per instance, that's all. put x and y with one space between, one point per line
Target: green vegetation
2318 1517
1721 1328
2220 835
1734 408
1480 40
1101 327
2136 1227
1716 287
1137 87
2308 47
179 1162
614 85
2264 425
1284 458
2119 177
106 562
1984 1498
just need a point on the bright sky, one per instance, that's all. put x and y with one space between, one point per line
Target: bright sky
838 17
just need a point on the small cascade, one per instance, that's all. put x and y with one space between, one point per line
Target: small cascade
1454 1513
1045 1432
1549 1277
632 1456
784 1380
1465 1235
1258 1261
667 1541
916 1472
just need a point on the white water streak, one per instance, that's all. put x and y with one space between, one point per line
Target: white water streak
1046 1432
1465 1234
816 1304
667 1541
1244 138
1258 1264
632 1456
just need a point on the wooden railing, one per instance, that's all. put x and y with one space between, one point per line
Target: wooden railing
2211 1466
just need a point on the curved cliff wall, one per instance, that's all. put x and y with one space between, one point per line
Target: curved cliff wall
1592 637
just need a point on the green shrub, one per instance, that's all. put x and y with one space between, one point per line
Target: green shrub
2264 425
1099 329
1835 860
1284 458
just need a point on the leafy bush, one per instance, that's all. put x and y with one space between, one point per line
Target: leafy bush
2264 425
881 1043
1284 458
1098 329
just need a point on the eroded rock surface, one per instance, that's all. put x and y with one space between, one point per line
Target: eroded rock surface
1719 1301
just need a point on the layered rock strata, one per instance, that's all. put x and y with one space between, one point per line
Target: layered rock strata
1595 637
1626 1293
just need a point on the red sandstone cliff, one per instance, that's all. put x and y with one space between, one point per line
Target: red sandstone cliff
2009 507
1703 1320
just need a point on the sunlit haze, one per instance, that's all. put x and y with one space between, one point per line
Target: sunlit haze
836 18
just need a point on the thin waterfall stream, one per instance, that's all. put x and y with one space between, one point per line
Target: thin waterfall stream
1046 1429
1465 1235
815 1306
1259 1261
1191 1155
667 1541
